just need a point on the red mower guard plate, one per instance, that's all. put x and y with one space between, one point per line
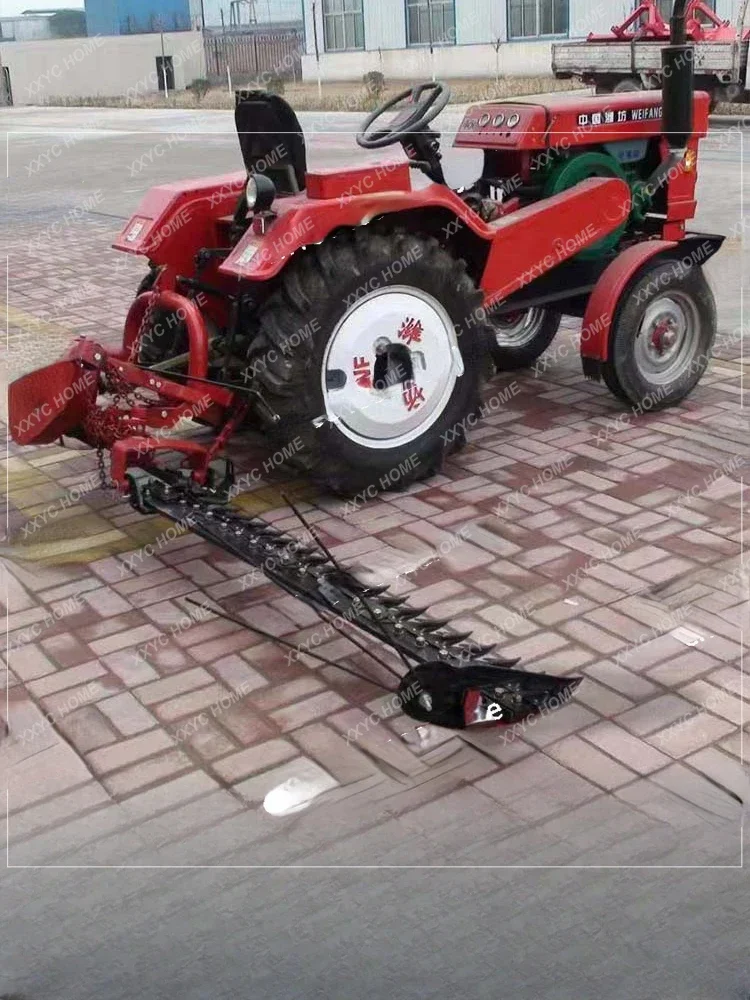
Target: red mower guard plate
49 402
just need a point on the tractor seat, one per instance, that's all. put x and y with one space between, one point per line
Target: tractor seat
271 139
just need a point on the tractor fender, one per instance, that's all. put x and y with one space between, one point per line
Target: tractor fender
173 221
304 221
613 284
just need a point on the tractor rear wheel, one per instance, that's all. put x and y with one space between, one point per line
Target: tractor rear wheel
661 336
519 338
371 353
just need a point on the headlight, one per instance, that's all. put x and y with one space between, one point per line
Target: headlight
251 192
260 192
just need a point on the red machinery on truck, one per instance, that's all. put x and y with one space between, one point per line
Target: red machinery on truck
352 317
629 57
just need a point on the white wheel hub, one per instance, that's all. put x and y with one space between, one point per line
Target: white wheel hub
390 367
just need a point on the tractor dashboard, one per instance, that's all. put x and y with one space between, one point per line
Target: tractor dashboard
570 121
503 126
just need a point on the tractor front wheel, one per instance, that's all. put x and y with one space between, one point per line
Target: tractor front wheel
661 336
370 353
519 338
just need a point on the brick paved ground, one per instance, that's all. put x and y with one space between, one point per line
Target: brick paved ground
137 735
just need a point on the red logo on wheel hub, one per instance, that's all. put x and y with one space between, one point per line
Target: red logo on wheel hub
362 373
411 331
412 395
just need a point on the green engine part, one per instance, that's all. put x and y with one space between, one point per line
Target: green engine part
566 172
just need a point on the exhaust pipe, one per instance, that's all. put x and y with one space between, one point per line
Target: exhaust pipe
678 83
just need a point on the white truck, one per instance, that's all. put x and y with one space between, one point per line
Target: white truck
630 61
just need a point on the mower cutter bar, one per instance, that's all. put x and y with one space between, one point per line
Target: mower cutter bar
430 649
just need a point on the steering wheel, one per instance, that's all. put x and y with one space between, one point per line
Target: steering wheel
425 101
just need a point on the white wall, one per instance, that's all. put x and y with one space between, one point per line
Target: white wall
515 59
107 66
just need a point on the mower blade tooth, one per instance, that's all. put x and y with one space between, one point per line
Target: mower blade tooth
393 602
408 613
456 637
434 625
485 650
374 591
502 661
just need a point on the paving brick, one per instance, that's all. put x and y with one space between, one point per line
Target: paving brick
237 675
682 668
122 640
257 758
245 725
716 700
87 729
66 649
562 722
616 623
207 739
692 733
625 748
648 653
127 714
52 771
593 637
341 759
601 699
666 569
536 557
503 745
306 780
62 702
124 753
655 714
560 611
537 787
669 809
593 765
171 687
106 602
169 795
299 714
712 801
28 662
63 679
458 558
377 741
147 772
57 810
728 773
192 703
731 679
535 646
283 694
130 667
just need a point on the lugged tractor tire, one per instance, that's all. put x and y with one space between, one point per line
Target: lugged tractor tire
365 288
662 336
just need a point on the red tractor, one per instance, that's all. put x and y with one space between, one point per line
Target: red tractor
352 316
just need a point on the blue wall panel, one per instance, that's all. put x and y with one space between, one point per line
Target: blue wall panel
134 17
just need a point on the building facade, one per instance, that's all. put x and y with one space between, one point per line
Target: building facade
411 39
34 25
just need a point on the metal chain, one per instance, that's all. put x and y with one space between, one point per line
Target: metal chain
106 425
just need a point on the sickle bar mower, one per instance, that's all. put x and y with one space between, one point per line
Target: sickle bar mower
352 319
